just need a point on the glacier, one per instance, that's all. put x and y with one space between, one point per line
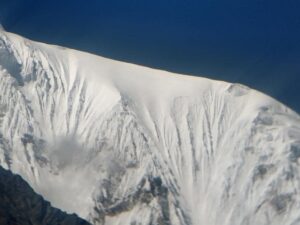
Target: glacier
122 144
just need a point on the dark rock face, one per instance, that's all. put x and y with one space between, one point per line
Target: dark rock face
158 191
20 205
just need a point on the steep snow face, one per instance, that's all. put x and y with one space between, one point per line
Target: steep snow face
123 144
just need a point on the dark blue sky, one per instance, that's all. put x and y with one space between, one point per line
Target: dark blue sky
254 42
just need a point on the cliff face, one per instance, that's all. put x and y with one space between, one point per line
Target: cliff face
20 205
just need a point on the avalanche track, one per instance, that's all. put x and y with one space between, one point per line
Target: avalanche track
121 144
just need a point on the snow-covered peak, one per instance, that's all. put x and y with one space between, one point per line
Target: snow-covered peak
123 144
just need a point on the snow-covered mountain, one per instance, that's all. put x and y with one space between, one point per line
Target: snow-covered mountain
121 144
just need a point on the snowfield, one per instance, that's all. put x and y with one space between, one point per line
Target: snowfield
121 144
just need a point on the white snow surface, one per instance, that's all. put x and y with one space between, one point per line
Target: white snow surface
121 144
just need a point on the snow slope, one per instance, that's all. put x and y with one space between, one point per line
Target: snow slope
121 144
